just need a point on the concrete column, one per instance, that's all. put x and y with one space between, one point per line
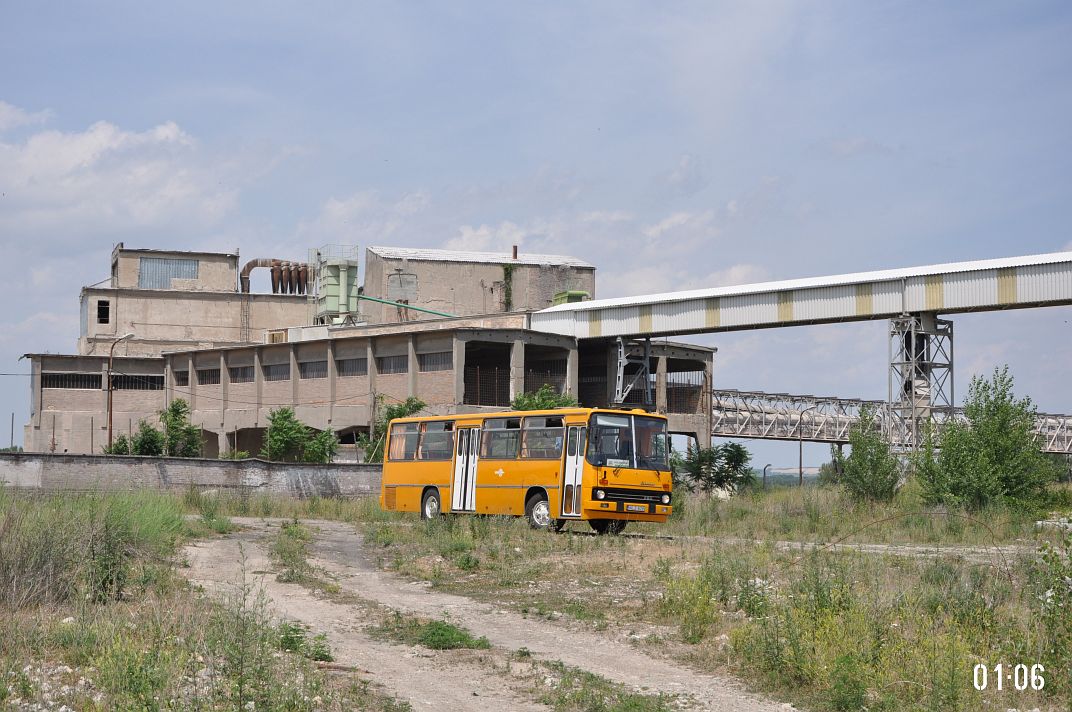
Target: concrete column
104 386
169 382
572 371
660 384
459 371
332 374
192 380
370 355
517 368
35 378
225 386
258 386
294 375
412 366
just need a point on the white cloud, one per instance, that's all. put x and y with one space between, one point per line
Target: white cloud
364 218
688 177
12 117
107 180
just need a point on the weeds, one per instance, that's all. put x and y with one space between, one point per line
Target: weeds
437 635
573 690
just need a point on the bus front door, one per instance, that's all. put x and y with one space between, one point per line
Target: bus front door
572 471
463 487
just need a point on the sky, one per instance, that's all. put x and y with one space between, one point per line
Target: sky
673 145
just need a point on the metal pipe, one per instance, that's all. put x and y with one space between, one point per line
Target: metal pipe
249 267
406 306
111 354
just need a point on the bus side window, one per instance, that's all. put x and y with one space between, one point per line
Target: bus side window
404 441
437 440
541 438
501 438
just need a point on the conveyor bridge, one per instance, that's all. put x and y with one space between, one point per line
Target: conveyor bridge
783 416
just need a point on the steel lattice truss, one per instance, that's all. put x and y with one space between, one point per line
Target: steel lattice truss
782 416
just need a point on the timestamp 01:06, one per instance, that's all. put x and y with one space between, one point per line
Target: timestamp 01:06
1013 677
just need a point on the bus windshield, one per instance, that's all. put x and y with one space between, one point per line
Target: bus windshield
633 441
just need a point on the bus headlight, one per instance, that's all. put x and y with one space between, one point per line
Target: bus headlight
666 499
600 494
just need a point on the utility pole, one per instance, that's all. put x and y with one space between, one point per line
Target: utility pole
111 354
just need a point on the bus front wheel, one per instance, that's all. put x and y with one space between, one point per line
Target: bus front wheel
538 511
430 505
607 526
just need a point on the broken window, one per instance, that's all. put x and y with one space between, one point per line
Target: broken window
104 310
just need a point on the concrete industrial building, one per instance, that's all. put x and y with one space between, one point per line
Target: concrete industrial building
235 356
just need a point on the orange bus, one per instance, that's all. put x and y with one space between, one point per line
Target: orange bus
606 467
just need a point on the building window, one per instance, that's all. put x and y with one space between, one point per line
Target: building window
276 372
157 272
104 311
241 374
83 381
392 364
313 369
351 366
208 376
182 378
438 361
137 383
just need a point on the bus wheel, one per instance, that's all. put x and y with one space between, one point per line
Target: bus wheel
538 511
430 505
607 526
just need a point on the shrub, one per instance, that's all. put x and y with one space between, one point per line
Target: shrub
545 398
181 439
870 471
723 466
990 458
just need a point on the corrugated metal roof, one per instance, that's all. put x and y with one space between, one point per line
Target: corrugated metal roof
810 282
408 253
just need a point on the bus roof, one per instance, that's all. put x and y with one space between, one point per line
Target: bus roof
525 413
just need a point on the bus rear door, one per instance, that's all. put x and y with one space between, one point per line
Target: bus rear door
463 487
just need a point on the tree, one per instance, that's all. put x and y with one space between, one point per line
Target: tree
725 466
992 456
181 439
285 437
870 470
148 441
545 398
320 447
373 443
120 446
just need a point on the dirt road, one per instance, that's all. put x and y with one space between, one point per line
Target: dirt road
461 680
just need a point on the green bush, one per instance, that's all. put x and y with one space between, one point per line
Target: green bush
545 398
725 466
870 471
290 440
181 439
993 457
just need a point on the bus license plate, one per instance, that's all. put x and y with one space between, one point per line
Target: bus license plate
636 508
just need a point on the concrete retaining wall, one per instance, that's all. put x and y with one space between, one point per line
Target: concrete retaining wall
106 472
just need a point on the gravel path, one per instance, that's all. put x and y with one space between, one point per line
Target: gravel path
338 549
